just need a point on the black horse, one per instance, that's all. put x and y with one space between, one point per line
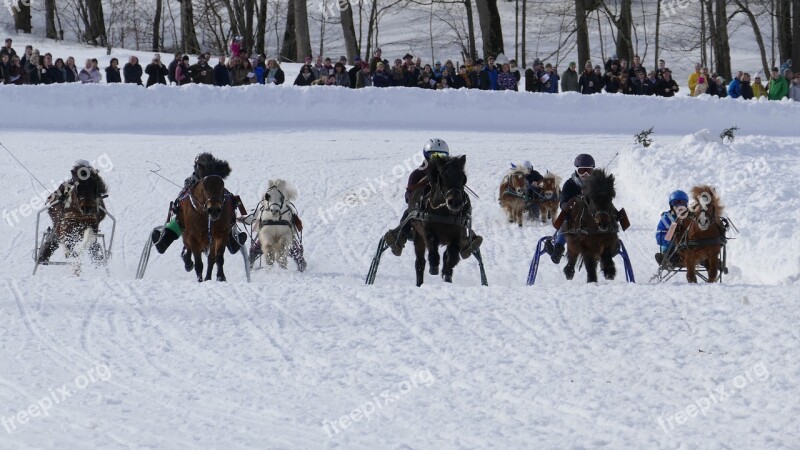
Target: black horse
439 215
592 228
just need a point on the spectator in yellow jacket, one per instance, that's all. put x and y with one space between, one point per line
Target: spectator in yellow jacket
693 78
758 88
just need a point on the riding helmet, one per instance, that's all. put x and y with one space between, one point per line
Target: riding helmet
584 160
678 196
435 145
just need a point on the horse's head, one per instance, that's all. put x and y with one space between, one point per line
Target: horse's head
89 189
549 186
447 178
213 196
599 193
705 207
515 182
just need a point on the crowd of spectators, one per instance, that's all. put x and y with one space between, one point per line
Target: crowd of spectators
616 76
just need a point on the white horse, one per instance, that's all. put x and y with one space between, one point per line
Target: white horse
276 217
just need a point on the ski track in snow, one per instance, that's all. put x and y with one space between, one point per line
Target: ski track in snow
263 365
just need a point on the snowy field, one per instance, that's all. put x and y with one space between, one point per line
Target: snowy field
318 360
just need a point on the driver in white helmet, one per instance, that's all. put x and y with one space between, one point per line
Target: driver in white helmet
397 237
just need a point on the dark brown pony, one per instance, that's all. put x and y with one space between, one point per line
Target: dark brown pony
550 192
77 208
514 194
206 213
437 215
592 228
700 233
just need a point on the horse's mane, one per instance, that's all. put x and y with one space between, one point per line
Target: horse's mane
435 165
94 175
518 170
600 183
215 166
555 177
709 190
288 190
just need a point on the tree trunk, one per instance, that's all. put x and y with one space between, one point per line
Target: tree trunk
188 33
157 26
582 34
373 13
796 36
301 30
473 50
784 16
22 16
516 30
289 47
624 35
521 63
703 33
757 31
348 30
658 30
50 19
712 30
491 30
249 12
96 33
723 49
261 29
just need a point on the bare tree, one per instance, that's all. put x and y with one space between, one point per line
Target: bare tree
189 42
784 16
289 48
623 21
744 6
22 16
301 30
582 31
50 19
261 28
491 30
157 26
348 29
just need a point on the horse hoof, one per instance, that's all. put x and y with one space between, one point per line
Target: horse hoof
610 274
448 278
569 272
199 279
222 279
434 270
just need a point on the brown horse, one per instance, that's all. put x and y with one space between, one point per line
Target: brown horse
591 231
206 213
439 216
76 209
700 233
550 193
514 194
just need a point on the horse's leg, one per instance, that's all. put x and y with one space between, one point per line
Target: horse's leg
607 264
572 259
198 264
451 258
590 264
433 254
690 262
519 212
220 261
419 263
713 267
212 259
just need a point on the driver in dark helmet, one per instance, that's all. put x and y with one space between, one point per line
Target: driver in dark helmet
203 163
397 237
573 187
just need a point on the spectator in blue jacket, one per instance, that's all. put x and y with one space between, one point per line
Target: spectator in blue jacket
678 201
381 78
735 88
492 73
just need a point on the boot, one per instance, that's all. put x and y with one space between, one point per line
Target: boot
396 240
556 251
659 258
236 241
468 247
163 241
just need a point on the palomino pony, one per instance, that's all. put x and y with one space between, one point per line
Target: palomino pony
77 208
593 228
700 233
514 194
207 213
550 192
276 220
438 217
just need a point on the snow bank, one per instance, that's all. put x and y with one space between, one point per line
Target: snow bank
756 178
166 110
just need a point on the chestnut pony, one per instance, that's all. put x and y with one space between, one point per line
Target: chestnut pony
514 194
550 193
700 233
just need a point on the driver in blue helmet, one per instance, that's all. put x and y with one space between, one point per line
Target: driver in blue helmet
573 187
397 237
678 204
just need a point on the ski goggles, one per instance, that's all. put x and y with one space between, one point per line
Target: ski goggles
678 203
437 155
585 170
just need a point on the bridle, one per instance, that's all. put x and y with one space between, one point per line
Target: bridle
279 208
201 205
511 190
437 187
596 214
